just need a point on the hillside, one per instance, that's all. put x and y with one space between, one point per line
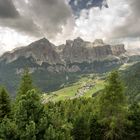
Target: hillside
131 76
52 66
86 86
89 85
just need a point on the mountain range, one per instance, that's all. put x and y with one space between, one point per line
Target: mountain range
52 66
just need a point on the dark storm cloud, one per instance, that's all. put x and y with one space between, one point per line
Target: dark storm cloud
22 24
36 18
7 9
51 15
131 26
11 18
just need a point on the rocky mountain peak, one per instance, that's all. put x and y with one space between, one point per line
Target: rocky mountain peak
41 51
78 39
98 42
77 50
80 51
43 40
69 42
40 43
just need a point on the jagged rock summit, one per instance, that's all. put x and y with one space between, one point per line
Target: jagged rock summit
98 42
80 51
41 51
51 64
74 51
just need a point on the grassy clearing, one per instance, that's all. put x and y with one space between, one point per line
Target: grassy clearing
71 91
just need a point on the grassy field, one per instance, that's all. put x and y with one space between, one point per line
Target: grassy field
88 85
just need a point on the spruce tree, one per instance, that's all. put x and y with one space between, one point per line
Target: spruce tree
5 105
26 83
113 107
28 116
8 129
53 133
7 126
96 130
80 130
50 133
133 130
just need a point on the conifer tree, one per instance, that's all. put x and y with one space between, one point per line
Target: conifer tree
28 115
26 83
50 133
80 130
113 107
133 130
8 129
5 105
96 130
7 126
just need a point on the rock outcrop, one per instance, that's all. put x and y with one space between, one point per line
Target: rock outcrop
81 51
41 51
118 49
65 57
53 66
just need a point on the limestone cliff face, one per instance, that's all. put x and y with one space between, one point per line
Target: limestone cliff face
60 57
41 51
51 65
75 51
118 49
81 51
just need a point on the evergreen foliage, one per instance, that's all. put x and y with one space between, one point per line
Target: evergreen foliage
113 107
133 130
96 129
28 115
78 119
5 106
80 130
26 83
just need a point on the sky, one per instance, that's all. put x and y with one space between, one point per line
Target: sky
24 21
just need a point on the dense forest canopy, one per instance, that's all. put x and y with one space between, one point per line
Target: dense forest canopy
107 116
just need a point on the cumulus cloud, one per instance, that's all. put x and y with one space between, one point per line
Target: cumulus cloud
35 17
117 24
130 27
22 24
50 16
11 18
7 9
96 23
10 39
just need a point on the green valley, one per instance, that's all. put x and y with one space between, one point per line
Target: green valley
85 87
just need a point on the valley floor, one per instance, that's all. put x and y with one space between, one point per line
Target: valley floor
86 87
